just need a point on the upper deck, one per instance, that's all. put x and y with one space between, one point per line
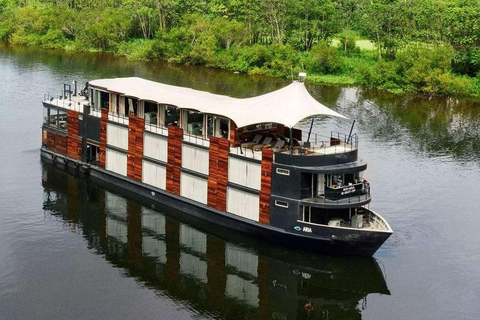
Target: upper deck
202 118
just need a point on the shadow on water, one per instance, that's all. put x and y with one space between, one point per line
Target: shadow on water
219 274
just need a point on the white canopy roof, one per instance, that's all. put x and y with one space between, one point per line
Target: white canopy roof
286 106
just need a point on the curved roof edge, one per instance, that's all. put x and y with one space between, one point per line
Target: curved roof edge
286 106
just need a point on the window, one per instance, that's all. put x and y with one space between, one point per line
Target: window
194 123
62 119
304 214
104 100
224 128
210 125
171 116
282 204
285 172
151 112
53 117
45 116
132 106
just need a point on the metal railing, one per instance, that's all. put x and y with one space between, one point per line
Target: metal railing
156 129
319 144
73 104
374 220
118 118
363 195
246 152
196 139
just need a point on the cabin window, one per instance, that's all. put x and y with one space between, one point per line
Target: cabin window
285 172
46 119
151 112
121 106
194 123
62 119
223 128
132 106
104 100
93 153
53 122
210 125
171 116
305 214
90 96
341 180
282 204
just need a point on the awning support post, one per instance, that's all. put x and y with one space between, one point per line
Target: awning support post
291 141
309 132
351 129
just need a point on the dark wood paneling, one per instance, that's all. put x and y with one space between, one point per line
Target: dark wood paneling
103 138
72 123
266 185
136 127
56 142
74 142
218 173
174 159
233 134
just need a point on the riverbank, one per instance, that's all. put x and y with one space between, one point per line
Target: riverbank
242 38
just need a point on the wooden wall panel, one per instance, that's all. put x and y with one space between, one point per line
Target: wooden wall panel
103 138
233 134
56 142
218 173
266 185
74 142
136 127
174 159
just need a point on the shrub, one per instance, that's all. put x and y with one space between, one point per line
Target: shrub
322 59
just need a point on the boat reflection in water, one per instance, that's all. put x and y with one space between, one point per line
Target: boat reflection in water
221 274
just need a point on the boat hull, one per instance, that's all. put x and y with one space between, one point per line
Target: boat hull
322 239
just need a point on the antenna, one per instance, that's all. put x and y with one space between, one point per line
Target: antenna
302 76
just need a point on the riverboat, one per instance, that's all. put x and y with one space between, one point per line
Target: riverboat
235 163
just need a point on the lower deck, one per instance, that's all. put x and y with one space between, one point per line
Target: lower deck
360 218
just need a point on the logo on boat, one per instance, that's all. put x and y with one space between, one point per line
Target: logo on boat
304 229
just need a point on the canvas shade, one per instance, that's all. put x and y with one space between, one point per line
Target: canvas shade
285 106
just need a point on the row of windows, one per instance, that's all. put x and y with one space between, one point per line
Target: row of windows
55 117
162 115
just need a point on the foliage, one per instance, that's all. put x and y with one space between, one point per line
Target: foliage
322 59
431 46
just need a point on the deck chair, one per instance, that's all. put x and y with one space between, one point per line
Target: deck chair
278 146
266 143
252 143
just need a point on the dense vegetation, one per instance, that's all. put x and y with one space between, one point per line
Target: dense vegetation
430 46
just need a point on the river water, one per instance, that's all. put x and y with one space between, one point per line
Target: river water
71 248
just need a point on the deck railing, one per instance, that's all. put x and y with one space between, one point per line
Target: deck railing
118 118
74 104
246 152
156 128
363 195
319 144
196 139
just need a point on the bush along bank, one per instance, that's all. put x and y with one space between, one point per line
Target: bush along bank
243 36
